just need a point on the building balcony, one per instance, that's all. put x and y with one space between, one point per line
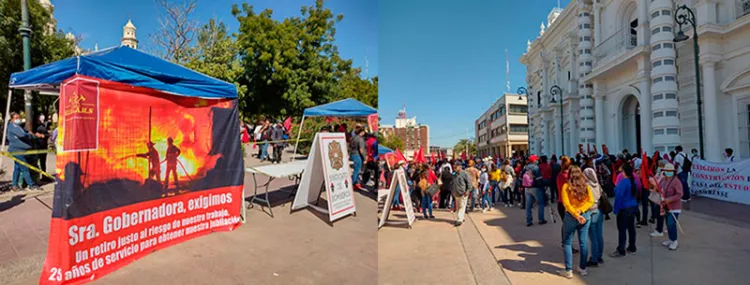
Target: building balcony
615 46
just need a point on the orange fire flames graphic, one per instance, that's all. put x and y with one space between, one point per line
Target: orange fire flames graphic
128 121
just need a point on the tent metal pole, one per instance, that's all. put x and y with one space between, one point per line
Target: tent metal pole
299 134
5 127
7 117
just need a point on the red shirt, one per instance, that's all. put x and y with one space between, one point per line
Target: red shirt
561 180
546 170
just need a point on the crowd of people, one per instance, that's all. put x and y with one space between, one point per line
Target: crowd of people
19 140
646 190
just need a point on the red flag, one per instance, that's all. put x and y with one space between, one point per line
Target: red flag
288 124
595 151
400 156
391 159
605 150
463 156
419 157
580 148
432 158
645 170
471 157
372 121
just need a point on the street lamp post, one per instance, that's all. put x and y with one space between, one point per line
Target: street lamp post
555 91
521 91
683 15
25 31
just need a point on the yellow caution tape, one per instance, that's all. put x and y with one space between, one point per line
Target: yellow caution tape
262 142
10 154
30 152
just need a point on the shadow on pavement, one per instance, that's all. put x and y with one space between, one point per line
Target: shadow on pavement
15 201
532 259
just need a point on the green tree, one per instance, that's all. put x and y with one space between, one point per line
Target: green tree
291 64
352 85
215 54
460 147
47 45
392 142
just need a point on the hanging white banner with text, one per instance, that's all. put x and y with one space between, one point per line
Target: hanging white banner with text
722 181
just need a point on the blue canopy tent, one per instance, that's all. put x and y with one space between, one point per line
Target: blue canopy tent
124 65
383 150
349 107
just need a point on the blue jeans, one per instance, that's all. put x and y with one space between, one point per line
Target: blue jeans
672 225
357 159
397 196
264 150
426 205
570 228
534 194
683 176
626 225
486 201
596 236
21 172
495 188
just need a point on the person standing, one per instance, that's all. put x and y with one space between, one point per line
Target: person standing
577 199
277 135
42 133
265 138
728 155
682 165
534 191
19 141
509 174
484 189
446 177
596 234
358 153
556 168
473 174
519 191
494 177
562 178
546 169
626 208
671 193
460 187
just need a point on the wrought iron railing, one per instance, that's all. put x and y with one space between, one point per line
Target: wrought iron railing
614 44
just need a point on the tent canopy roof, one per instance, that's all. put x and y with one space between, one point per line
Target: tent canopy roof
383 150
129 66
345 108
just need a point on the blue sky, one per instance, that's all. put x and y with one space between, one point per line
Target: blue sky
101 21
446 61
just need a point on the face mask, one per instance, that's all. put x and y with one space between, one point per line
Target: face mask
669 174
695 153
17 122
41 118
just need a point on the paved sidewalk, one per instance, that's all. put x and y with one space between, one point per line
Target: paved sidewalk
710 252
292 248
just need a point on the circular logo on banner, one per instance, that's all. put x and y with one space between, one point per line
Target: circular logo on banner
336 155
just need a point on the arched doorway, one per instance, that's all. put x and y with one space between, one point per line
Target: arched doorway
630 126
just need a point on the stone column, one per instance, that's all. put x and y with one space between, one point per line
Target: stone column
712 146
572 139
647 142
599 115
597 29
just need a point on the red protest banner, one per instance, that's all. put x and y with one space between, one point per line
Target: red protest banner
79 105
372 122
165 169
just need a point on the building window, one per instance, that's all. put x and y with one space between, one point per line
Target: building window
516 128
671 96
668 78
671 113
657 63
658 114
655 31
668 62
518 109
656 47
655 14
666 12
657 80
668 45
666 29
658 97
673 131
658 132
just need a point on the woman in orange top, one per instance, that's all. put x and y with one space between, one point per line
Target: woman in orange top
577 198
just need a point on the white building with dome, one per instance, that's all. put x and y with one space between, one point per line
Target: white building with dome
628 85
128 35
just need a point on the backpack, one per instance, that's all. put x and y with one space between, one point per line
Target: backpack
528 179
686 164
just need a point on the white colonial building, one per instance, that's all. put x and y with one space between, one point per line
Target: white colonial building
502 130
627 84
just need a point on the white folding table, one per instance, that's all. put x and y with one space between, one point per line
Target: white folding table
293 170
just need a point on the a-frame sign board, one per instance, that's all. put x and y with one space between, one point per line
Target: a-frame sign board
399 178
327 166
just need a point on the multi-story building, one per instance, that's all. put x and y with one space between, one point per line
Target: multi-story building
502 130
413 135
626 83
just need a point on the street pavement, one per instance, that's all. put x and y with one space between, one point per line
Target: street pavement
713 250
291 248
